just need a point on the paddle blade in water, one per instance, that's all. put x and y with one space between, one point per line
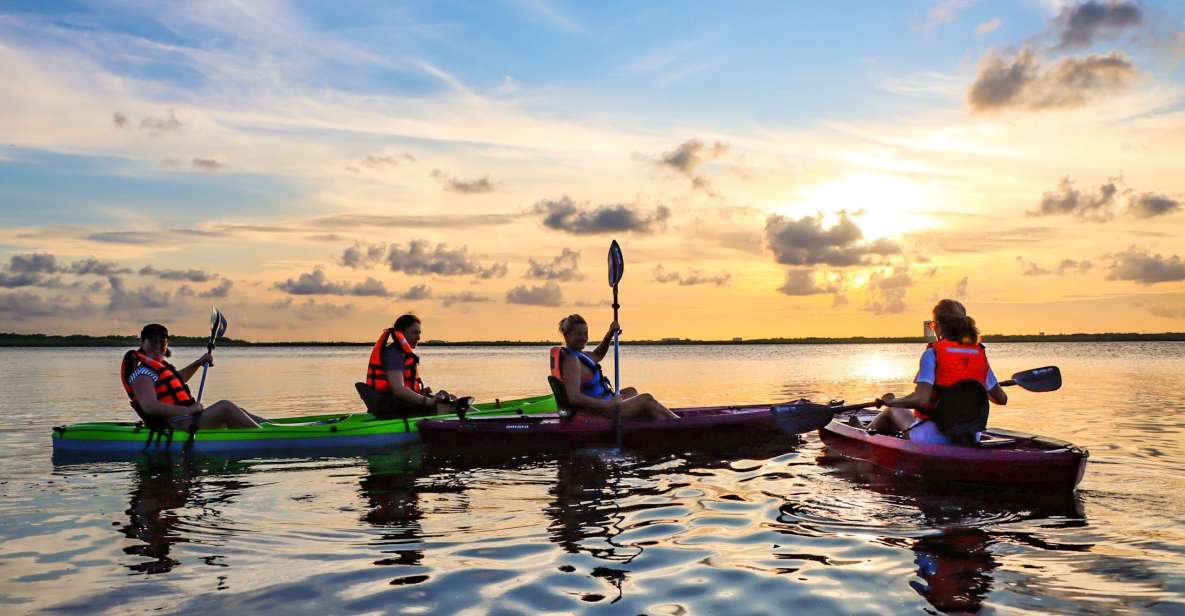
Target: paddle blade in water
616 264
1048 378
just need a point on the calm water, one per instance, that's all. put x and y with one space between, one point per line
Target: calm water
773 529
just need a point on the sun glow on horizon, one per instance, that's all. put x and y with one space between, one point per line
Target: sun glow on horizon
883 206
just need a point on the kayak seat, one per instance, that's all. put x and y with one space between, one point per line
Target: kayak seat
563 407
382 406
988 440
370 398
555 380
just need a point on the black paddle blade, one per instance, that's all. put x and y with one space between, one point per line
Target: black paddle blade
802 416
1048 378
616 264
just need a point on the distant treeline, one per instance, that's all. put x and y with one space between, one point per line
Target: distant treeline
78 340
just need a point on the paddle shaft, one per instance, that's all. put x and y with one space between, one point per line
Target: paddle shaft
865 405
616 373
205 367
616 344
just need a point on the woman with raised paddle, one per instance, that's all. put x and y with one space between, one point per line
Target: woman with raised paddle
158 390
406 395
949 403
589 393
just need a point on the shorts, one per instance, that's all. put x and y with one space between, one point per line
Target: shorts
179 421
924 431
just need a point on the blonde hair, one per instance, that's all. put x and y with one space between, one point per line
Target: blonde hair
570 321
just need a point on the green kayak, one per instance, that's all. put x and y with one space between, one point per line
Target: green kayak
295 435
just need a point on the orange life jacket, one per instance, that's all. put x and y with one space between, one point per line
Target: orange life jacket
956 362
170 389
376 375
953 363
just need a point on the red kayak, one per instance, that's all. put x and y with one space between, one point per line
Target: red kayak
1003 457
551 431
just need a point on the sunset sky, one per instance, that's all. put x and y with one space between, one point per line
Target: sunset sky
770 169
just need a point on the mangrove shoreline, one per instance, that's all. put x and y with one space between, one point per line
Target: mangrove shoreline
79 340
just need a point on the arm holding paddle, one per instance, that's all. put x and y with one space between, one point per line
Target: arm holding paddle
436 403
187 372
1048 378
919 397
602 349
924 392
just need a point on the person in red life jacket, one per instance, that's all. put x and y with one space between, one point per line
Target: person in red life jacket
159 393
956 357
394 372
589 392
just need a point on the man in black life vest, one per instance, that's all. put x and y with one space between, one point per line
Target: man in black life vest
159 394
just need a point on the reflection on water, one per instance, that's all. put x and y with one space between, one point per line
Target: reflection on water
961 526
160 488
762 528
392 505
955 566
163 487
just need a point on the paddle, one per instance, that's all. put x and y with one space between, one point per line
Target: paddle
217 329
1048 378
616 269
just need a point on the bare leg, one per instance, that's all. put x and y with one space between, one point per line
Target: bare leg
892 419
627 393
644 405
225 414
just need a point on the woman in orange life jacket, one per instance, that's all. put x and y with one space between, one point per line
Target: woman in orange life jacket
398 358
586 386
956 356
158 390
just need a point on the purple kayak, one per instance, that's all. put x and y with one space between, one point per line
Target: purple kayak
551 432
1004 457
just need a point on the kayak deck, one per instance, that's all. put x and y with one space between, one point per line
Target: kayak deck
552 431
1004 458
291 434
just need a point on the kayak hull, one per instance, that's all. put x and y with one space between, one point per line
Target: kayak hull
1019 459
696 425
295 435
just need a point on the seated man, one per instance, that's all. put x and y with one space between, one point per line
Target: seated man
158 390
406 396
